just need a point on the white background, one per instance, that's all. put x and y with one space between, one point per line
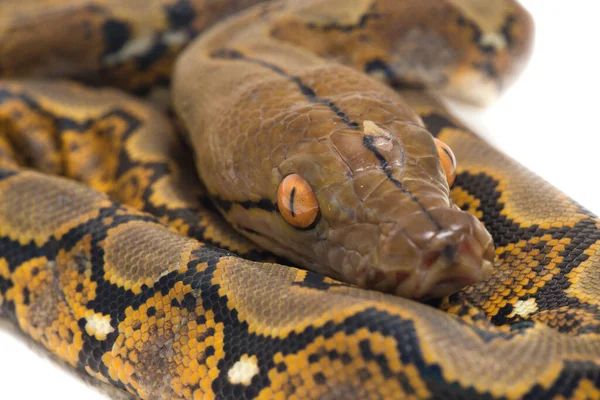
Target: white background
548 121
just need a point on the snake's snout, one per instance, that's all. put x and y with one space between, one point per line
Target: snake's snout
452 261
422 263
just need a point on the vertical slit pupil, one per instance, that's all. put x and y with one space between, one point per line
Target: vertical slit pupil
292 194
449 156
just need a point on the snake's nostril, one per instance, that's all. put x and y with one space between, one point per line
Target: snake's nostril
448 267
446 254
449 252
443 252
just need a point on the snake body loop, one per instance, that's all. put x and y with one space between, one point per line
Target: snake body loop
116 258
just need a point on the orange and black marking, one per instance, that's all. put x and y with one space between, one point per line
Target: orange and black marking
131 276
183 322
158 185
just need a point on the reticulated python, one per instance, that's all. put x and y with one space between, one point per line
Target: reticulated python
131 276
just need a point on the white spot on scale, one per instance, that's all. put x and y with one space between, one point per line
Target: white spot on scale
493 39
371 128
524 308
243 370
131 49
382 138
176 38
99 326
142 45
383 143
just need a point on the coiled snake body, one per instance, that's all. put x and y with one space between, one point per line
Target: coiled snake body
131 276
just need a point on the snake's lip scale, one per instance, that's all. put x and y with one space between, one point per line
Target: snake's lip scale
466 269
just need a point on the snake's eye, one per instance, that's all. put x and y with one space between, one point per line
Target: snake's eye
297 202
448 160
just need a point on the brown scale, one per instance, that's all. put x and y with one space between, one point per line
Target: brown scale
116 293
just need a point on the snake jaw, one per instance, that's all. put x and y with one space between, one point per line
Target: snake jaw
443 273
417 261
454 259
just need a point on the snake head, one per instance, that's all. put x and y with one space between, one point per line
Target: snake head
376 208
331 170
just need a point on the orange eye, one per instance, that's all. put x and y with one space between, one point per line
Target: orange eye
297 202
448 160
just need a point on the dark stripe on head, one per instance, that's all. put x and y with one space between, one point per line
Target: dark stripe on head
307 91
368 142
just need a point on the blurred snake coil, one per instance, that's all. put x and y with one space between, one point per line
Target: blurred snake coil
122 264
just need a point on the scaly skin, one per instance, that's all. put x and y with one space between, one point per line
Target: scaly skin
126 297
273 110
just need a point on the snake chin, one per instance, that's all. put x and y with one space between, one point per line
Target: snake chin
444 281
